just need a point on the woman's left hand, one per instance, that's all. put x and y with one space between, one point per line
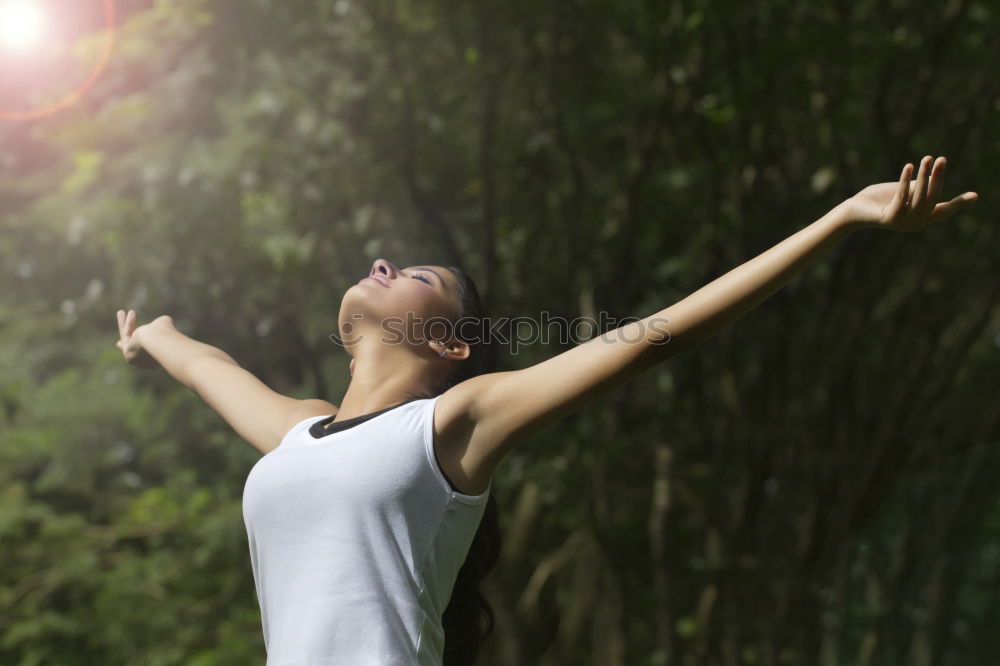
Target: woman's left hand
905 205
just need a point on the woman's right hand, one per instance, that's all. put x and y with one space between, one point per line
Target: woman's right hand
130 341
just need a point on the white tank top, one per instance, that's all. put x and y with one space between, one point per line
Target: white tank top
356 538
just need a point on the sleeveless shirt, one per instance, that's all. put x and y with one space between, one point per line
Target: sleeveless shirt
356 537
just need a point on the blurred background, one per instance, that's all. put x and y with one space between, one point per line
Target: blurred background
815 485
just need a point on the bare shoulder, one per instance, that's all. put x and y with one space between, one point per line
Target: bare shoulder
467 457
307 409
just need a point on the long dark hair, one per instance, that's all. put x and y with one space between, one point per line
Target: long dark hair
468 618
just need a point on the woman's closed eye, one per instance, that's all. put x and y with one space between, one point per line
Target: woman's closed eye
420 276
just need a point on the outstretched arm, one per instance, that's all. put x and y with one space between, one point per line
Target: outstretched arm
258 414
488 415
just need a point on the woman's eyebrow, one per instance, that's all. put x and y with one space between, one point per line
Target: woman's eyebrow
424 268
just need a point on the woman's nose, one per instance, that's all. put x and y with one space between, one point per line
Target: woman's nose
383 267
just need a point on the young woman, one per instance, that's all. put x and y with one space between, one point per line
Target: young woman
370 524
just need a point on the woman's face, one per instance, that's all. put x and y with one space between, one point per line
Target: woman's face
397 303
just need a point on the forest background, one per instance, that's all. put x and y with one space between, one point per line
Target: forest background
815 485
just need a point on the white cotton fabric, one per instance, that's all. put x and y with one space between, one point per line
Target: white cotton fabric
356 539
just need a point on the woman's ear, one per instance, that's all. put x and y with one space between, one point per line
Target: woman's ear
456 349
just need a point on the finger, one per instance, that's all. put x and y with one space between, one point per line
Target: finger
920 190
937 180
902 192
121 322
943 210
130 322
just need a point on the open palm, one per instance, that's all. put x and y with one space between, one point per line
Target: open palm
906 205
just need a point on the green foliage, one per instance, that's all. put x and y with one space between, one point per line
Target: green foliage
828 462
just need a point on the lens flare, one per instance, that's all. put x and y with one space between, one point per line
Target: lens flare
22 23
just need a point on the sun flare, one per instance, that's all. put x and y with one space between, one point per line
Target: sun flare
22 23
